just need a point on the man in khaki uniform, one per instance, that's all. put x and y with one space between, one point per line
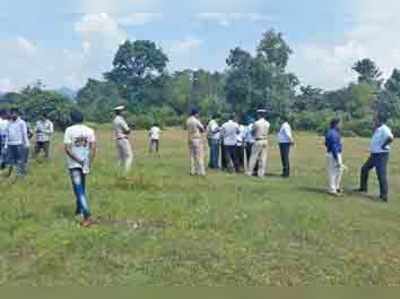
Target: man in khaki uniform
259 152
196 145
121 133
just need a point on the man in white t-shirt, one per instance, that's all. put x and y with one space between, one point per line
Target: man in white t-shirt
229 132
44 130
285 139
379 158
80 147
154 139
213 136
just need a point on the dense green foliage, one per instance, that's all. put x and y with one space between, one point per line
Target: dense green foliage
139 79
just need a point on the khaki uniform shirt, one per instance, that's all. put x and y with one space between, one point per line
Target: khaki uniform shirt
120 127
261 129
194 128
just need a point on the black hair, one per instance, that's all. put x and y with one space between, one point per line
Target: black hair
77 117
194 111
334 123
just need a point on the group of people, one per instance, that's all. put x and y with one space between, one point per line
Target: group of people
15 140
233 146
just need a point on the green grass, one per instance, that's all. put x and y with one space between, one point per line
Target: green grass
163 227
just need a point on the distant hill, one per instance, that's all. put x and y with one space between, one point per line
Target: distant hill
67 92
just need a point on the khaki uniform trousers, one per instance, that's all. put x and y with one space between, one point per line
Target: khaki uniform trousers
125 154
196 155
259 154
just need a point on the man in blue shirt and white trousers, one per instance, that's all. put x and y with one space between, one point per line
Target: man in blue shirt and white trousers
333 142
379 158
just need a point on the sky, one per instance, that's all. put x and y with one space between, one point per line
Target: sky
65 42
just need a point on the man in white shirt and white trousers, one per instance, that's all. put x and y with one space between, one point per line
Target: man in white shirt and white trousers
285 139
44 130
121 134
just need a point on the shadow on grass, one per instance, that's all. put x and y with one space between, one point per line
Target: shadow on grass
314 190
64 211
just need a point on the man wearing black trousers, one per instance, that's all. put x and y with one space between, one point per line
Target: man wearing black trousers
379 158
286 140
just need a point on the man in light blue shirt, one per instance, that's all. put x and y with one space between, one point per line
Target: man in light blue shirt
380 149
229 133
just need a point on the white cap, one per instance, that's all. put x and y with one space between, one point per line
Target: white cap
119 108
261 111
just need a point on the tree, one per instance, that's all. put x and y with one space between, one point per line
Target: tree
274 49
136 66
368 72
97 98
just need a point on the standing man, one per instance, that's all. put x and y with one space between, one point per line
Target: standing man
3 136
154 139
17 144
333 143
121 133
44 130
229 133
196 145
259 152
240 147
213 135
379 158
249 142
80 148
285 139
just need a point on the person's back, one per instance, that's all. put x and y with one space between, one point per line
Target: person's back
154 133
230 130
79 137
194 128
261 129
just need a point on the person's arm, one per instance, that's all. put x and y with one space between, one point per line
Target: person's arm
289 134
68 151
125 127
388 141
25 137
200 127
51 128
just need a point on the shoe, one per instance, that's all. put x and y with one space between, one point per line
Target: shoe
87 223
334 194
360 190
340 191
384 199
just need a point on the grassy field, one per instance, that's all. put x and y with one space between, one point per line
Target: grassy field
163 227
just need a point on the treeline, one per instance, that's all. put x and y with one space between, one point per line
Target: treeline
139 79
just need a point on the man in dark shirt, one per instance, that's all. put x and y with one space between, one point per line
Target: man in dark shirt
333 142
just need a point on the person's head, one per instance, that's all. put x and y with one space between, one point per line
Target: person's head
261 113
380 120
3 114
215 116
232 116
285 118
335 123
119 110
155 124
14 114
195 112
77 117
43 116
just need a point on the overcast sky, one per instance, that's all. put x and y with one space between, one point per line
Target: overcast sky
65 42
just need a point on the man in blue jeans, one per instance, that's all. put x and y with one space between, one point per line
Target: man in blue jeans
17 144
213 135
80 147
379 158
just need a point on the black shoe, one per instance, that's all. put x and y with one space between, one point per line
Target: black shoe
384 199
340 191
361 190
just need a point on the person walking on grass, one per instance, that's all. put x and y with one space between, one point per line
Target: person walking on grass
44 130
333 142
286 141
229 132
213 136
17 144
80 148
154 139
3 136
121 133
379 158
195 143
259 152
